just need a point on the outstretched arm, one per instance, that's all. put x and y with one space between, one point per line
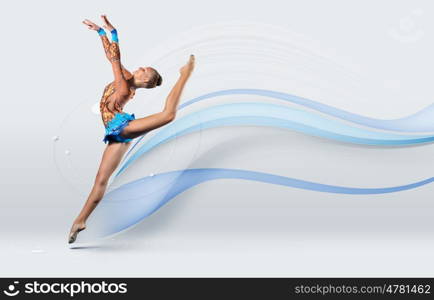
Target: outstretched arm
113 55
120 82
106 44
107 25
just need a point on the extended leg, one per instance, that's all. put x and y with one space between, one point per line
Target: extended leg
110 160
139 127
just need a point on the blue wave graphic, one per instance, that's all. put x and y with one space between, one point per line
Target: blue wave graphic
132 202
265 114
421 121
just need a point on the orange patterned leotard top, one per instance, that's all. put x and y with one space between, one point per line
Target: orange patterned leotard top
108 108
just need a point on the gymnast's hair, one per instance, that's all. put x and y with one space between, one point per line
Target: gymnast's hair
155 81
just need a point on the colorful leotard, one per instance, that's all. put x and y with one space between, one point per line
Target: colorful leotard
114 119
108 111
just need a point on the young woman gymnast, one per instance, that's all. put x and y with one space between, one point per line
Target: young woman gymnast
121 127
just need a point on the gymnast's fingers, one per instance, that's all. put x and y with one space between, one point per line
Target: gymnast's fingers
88 26
106 21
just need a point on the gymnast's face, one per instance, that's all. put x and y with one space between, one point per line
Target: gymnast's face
143 75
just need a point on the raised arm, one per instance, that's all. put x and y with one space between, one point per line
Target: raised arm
114 33
120 83
113 55
106 44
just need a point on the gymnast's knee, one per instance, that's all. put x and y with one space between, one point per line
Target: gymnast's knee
101 181
169 116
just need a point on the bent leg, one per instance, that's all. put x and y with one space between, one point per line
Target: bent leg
141 126
110 160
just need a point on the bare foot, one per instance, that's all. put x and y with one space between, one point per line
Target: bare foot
75 229
187 69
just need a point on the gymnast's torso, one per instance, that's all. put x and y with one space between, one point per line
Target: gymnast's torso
110 104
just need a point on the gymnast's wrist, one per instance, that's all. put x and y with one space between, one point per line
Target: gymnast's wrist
114 34
101 31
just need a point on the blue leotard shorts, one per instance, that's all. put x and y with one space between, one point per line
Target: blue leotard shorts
115 127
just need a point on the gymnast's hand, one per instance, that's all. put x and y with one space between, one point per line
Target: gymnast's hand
188 67
107 25
91 25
